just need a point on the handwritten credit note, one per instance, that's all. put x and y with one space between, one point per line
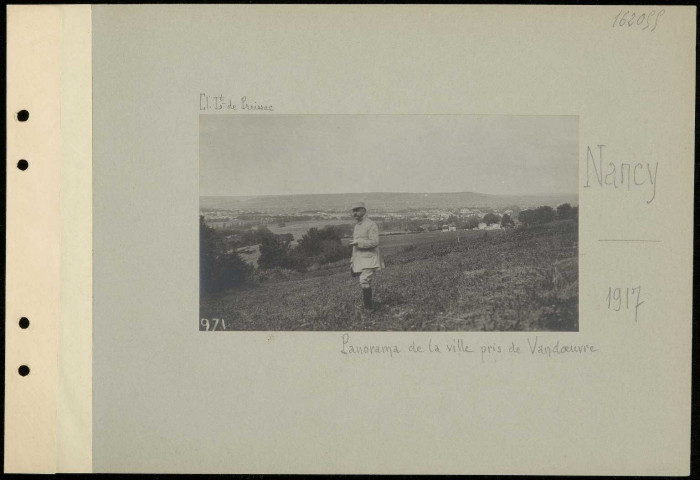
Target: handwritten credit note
232 104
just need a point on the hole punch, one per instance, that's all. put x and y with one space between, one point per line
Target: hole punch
23 115
24 323
23 370
23 164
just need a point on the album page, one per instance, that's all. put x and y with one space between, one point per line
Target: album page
398 239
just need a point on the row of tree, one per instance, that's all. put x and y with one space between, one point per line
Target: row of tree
221 267
546 214
219 270
315 246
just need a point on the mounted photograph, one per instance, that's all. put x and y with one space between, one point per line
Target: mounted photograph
388 223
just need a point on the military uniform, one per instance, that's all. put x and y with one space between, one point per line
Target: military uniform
366 257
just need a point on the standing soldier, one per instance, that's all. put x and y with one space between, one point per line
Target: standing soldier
365 251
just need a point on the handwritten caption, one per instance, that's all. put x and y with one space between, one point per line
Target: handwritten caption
612 174
635 20
625 299
222 102
532 346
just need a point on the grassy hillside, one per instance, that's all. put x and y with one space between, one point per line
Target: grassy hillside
497 282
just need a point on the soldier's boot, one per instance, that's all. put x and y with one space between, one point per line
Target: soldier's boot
367 297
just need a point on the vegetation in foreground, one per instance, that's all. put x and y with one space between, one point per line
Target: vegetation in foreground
493 282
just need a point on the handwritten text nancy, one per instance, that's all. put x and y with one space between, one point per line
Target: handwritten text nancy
609 174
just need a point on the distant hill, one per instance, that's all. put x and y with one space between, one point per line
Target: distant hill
378 201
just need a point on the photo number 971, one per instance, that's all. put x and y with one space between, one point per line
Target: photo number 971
624 299
207 325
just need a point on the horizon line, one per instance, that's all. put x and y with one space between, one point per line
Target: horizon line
413 193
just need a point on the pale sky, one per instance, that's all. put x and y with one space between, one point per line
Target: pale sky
300 154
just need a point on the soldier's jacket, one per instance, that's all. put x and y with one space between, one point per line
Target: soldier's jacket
366 253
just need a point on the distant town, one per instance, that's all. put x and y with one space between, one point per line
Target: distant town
408 220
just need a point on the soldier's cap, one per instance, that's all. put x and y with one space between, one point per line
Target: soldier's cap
357 205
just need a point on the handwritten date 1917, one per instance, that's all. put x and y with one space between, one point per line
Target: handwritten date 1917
628 19
625 299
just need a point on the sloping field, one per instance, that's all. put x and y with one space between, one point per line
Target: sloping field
391 244
494 283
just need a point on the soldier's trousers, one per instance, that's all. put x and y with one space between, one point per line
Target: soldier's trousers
366 277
